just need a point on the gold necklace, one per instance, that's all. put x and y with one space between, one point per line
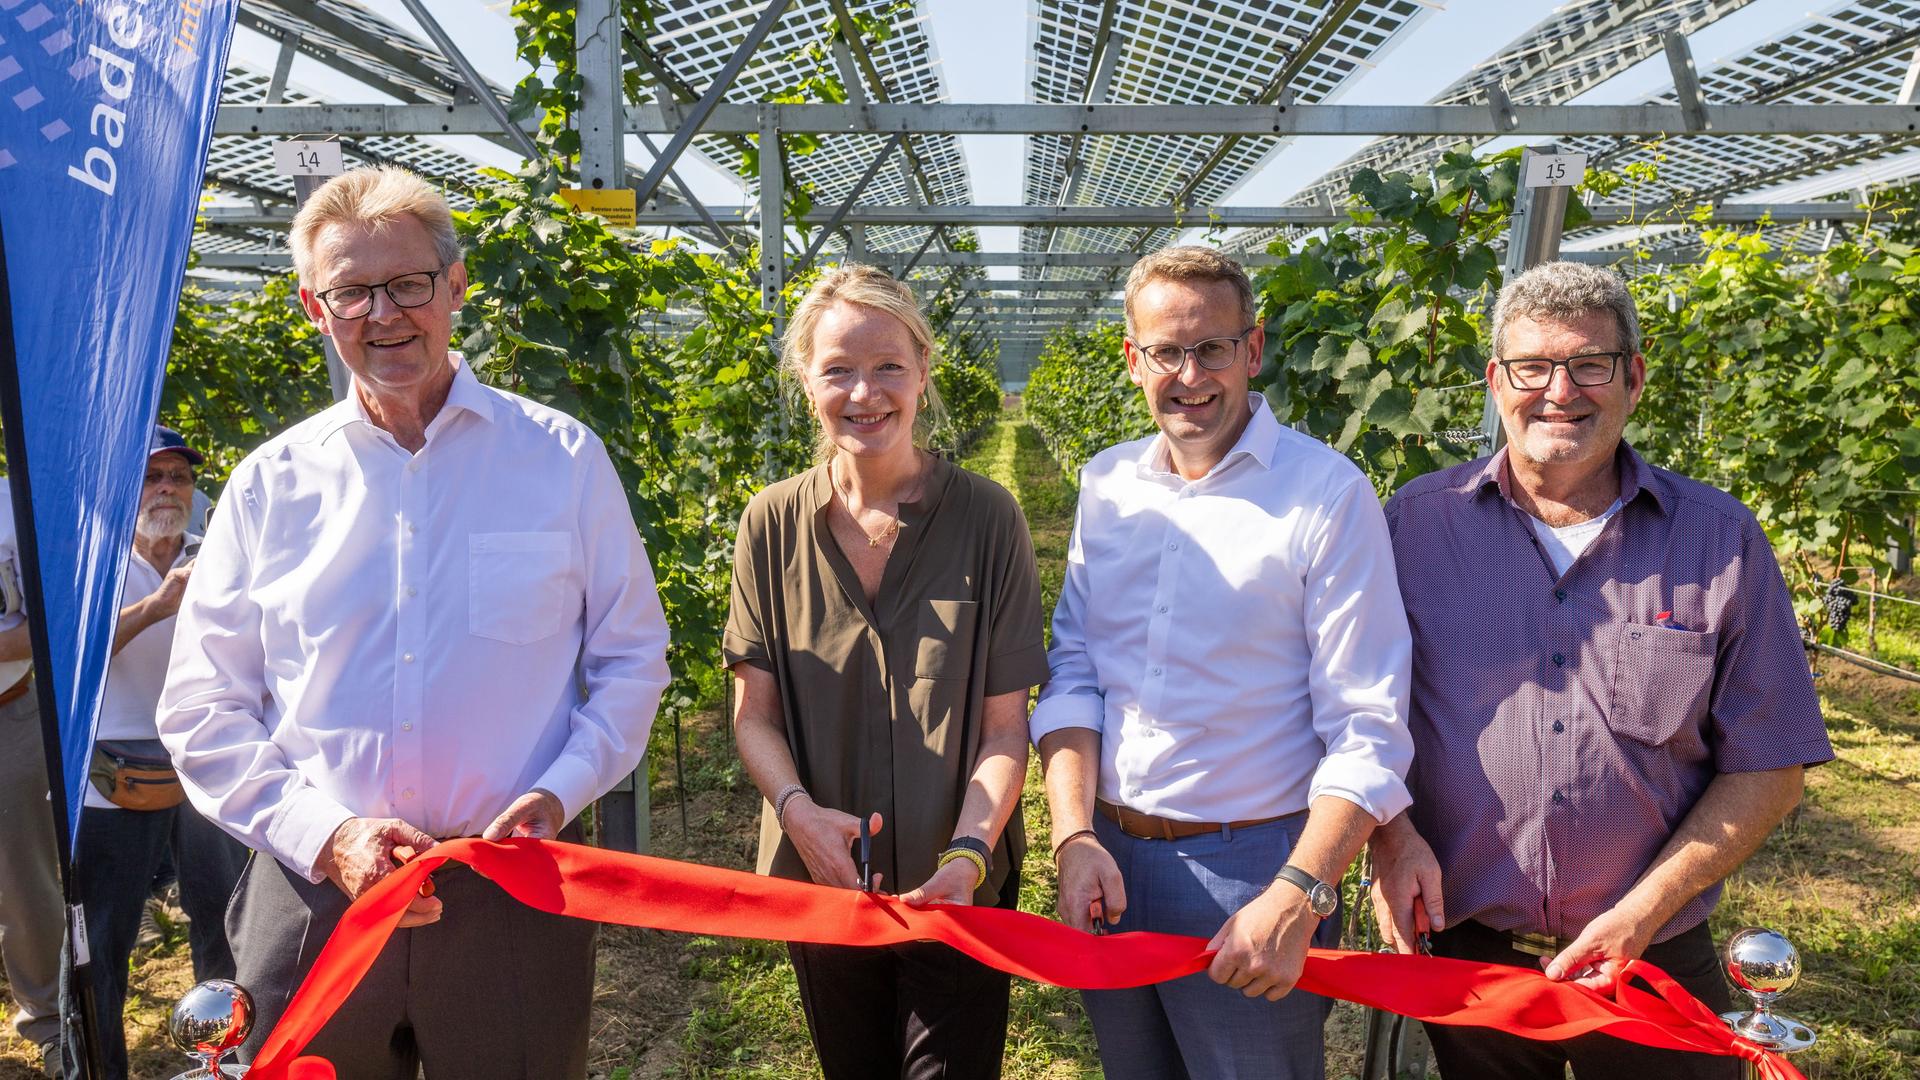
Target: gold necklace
893 526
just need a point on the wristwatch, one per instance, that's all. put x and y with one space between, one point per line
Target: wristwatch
1322 900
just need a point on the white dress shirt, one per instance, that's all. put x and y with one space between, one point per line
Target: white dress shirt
1238 641
427 636
136 673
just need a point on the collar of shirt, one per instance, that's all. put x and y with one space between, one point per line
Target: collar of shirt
466 394
1635 474
1258 440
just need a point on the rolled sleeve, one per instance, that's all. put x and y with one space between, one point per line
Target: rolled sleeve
745 638
1016 656
1362 657
1765 711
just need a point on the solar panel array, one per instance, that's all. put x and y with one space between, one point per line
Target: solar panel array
692 41
1183 52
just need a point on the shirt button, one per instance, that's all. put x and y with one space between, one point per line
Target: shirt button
1173 545
1560 595
406 658
412 528
414 465
1558 660
1154 672
411 591
408 726
407 794
1558 727
1162 609
1559 798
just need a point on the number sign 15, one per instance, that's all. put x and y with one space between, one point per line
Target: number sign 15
1555 170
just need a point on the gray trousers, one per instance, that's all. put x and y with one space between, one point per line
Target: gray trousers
494 989
32 923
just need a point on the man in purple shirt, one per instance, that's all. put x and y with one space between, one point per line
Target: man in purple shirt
1611 706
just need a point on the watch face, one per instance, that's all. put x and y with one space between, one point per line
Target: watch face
1323 900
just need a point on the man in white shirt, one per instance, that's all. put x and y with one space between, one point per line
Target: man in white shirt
423 613
32 923
1226 718
132 816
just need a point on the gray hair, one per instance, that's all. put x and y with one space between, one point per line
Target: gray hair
1566 290
372 195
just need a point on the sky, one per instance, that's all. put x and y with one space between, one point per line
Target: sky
971 37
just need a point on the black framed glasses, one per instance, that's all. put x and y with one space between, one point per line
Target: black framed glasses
407 291
1586 369
1213 354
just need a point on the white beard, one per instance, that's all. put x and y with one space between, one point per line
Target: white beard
164 523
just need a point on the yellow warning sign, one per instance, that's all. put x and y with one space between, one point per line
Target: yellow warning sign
615 205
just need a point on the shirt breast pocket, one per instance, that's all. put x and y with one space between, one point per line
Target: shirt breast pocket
945 633
518 585
1661 680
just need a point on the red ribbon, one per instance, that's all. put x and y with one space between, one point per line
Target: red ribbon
636 890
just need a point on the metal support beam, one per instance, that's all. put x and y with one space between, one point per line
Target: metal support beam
282 67
1686 82
721 237
475 84
1028 119
1501 105
1532 238
932 235
1910 87
773 226
840 212
602 117
697 117
1109 49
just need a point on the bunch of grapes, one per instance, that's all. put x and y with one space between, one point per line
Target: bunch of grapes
1839 606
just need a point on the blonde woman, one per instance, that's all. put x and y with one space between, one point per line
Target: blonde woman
883 636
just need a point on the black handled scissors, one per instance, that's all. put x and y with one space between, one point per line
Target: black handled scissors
866 855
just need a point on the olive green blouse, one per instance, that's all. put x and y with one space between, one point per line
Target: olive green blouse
883 703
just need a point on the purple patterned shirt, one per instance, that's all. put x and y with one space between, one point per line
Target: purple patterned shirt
1564 725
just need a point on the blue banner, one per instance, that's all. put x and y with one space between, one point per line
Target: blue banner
106 113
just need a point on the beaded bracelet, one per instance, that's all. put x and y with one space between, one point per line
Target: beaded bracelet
972 856
780 804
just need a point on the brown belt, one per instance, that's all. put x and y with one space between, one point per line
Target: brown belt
1148 827
8 696
1536 944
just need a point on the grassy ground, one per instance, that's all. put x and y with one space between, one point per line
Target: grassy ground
1843 881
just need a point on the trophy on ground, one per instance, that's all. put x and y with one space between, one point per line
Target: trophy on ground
1765 965
211 1019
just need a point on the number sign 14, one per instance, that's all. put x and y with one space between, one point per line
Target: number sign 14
1555 170
308 157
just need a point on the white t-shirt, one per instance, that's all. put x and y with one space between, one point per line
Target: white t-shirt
12 592
1564 544
137 672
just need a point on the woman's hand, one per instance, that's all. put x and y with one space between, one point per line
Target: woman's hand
825 840
953 883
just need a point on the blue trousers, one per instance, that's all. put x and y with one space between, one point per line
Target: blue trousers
118 854
1193 1028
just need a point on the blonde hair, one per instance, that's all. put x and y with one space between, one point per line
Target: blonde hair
869 287
373 195
1187 264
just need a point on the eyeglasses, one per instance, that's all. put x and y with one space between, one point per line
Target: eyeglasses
407 291
176 477
1212 354
1587 369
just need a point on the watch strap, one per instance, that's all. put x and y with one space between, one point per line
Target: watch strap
1306 882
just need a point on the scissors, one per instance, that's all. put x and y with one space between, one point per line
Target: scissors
866 855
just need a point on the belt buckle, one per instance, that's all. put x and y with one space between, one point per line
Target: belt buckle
1535 944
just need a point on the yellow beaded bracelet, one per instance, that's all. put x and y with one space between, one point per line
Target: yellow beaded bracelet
974 857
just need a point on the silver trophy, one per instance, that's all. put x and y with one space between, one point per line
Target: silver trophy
1765 965
211 1019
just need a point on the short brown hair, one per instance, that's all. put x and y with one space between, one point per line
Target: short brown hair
1187 264
373 195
